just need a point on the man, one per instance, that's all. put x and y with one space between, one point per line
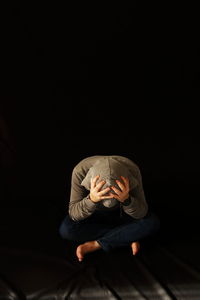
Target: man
107 207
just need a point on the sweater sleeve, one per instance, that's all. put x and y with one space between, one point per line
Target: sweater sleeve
80 207
138 206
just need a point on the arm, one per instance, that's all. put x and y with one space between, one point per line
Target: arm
80 207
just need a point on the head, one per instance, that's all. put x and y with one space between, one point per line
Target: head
109 170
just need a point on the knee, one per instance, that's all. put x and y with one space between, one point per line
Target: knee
66 229
63 231
152 221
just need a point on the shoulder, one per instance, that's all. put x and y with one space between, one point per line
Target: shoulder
127 161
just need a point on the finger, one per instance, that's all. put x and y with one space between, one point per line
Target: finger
121 186
93 181
118 192
114 196
99 185
126 181
106 197
103 192
111 194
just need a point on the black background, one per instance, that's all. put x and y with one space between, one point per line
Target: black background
91 80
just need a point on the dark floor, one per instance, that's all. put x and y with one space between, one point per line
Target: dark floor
37 264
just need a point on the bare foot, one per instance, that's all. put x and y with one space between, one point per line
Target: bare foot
135 247
85 248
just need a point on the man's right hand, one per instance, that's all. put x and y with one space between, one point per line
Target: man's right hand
96 194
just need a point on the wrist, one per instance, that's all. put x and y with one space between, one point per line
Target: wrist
89 197
126 202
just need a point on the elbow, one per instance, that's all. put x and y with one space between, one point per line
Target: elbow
72 215
76 217
142 212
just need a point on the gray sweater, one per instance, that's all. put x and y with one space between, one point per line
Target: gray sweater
109 168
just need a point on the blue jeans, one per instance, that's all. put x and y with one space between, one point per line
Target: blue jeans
109 230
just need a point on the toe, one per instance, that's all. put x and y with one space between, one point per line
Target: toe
79 254
135 248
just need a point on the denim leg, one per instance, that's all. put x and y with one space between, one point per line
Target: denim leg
85 230
135 230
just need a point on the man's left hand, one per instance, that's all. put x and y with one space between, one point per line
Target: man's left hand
122 194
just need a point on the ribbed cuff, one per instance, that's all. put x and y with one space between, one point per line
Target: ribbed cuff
89 203
126 202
